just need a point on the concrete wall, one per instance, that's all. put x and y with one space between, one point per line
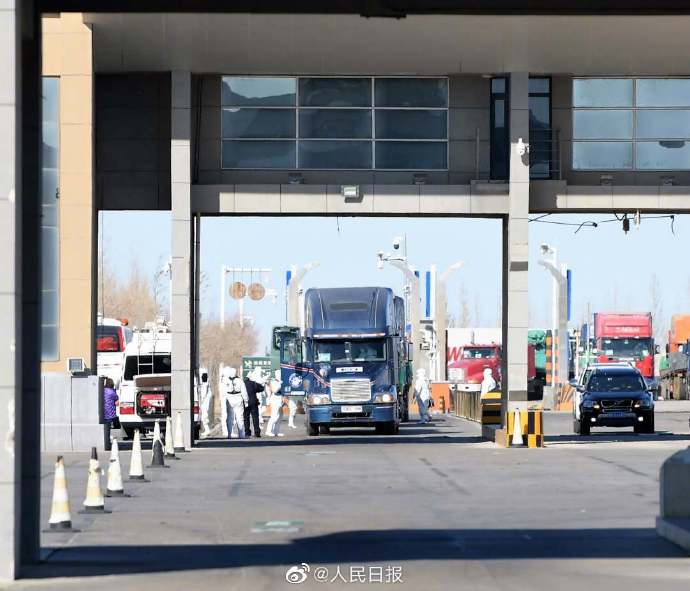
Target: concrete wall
67 44
468 114
133 141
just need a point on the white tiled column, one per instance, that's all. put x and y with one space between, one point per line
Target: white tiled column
515 251
180 178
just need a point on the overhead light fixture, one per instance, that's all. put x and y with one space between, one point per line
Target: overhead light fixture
350 192
295 178
420 178
626 224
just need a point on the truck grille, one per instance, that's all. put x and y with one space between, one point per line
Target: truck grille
624 404
351 390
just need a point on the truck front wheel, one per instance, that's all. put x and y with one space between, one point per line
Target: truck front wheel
312 430
386 428
583 426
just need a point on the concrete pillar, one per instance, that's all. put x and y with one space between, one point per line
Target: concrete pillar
515 252
182 237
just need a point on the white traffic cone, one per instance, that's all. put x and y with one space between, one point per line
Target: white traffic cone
157 432
94 503
179 433
169 446
60 517
517 429
136 466
114 488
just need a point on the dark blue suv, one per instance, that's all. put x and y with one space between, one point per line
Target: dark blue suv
614 397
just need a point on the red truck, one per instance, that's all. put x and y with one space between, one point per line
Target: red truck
471 360
625 337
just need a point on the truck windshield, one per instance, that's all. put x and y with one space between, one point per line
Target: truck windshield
346 351
636 348
146 364
615 382
478 352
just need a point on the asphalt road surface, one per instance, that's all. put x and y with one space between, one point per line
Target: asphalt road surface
433 506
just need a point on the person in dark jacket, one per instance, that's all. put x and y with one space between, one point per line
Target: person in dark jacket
254 383
110 399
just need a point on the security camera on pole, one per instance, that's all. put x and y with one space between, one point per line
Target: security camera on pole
412 298
560 310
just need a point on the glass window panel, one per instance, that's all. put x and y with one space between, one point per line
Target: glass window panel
258 154
411 124
539 85
49 185
258 123
49 343
49 215
335 123
498 85
334 154
602 124
663 124
335 92
602 155
50 136
50 253
51 99
412 155
411 92
258 92
539 112
663 92
663 155
602 92
49 307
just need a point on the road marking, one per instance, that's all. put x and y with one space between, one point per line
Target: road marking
261 527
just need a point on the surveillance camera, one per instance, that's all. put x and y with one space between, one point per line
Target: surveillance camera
379 263
545 248
396 242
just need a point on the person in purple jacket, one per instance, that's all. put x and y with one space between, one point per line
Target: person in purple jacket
110 420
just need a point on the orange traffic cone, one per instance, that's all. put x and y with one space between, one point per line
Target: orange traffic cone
60 517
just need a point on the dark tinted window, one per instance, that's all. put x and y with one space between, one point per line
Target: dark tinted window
615 382
145 365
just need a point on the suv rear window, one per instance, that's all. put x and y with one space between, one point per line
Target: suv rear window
108 339
615 382
146 364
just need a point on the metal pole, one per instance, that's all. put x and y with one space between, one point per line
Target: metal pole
222 296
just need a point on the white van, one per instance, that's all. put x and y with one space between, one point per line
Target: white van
112 337
142 401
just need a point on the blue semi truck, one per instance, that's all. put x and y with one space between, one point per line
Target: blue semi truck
352 362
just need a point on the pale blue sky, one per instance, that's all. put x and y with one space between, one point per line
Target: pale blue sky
611 270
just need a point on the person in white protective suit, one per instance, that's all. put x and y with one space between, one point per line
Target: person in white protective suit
488 382
422 395
205 400
235 400
292 411
275 400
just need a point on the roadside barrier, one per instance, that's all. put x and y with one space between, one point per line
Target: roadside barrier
60 516
179 433
526 427
484 409
136 464
94 503
169 446
491 408
564 397
114 487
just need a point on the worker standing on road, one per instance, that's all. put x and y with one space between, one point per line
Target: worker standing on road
292 411
110 420
276 401
422 395
236 399
488 382
254 384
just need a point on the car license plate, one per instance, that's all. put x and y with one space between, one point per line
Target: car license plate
617 414
352 409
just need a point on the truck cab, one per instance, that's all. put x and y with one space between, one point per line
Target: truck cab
351 364
112 337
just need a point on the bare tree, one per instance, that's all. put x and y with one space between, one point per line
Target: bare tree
133 298
656 306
